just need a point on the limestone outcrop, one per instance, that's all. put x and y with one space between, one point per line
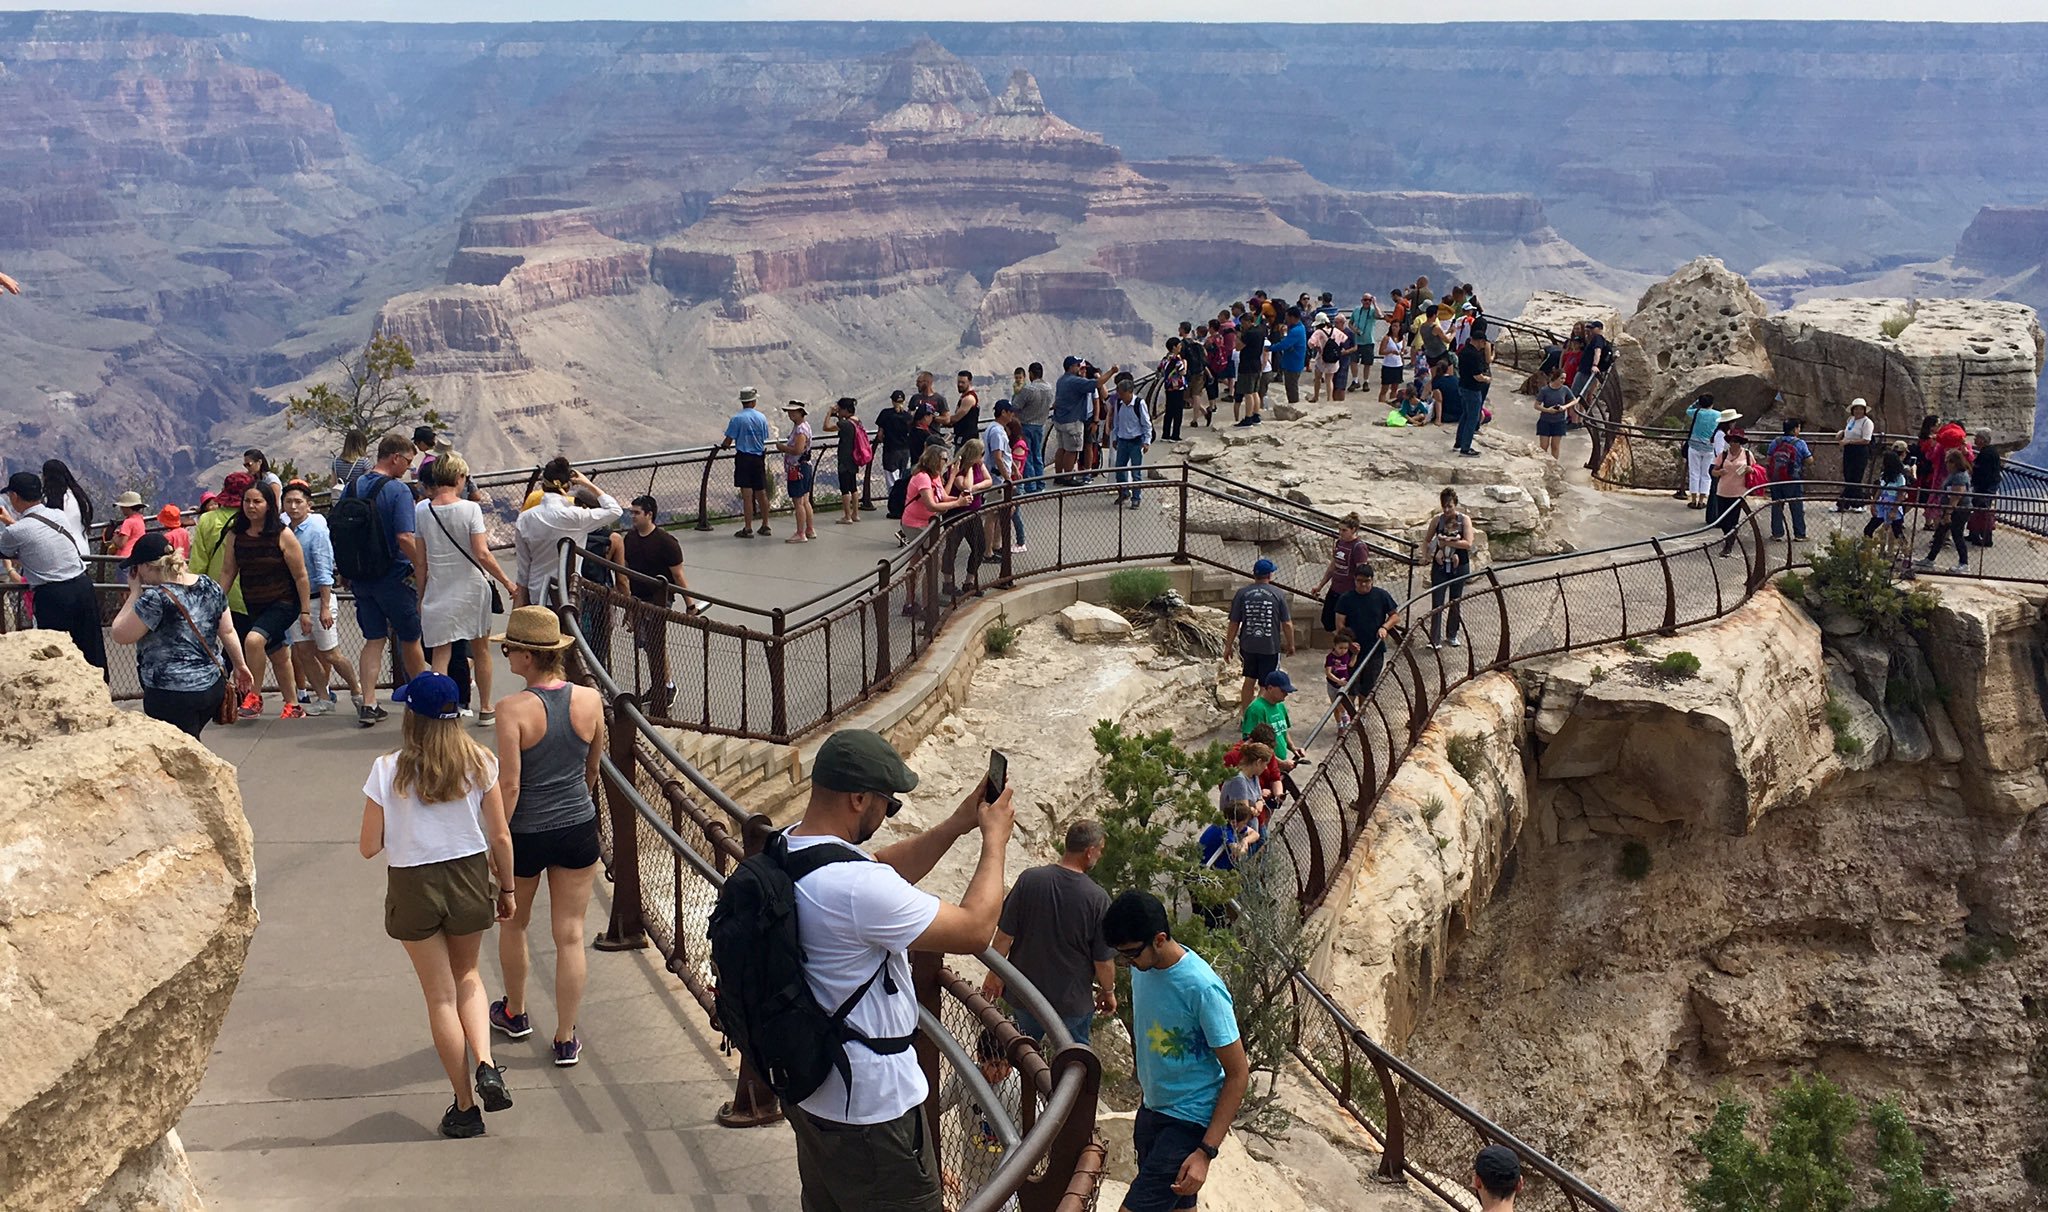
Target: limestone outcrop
1701 330
1974 360
125 912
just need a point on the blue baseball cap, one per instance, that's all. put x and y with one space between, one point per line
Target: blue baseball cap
431 694
1276 678
1265 568
1071 362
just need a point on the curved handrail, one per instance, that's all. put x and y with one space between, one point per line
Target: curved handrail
1060 1134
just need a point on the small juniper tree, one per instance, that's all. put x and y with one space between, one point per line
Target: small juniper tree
1813 1159
370 398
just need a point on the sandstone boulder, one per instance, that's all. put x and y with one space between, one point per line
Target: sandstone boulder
1557 312
1701 330
1987 645
1087 622
125 913
1974 360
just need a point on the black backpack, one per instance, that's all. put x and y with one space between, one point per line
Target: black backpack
764 1005
362 551
899 494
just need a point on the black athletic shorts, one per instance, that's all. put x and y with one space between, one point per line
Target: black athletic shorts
1259 664
572 847
274 621
750 471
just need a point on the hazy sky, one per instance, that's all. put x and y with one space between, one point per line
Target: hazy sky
1073 10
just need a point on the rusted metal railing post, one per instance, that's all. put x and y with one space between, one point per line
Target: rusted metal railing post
778 678
1670 623
704 493
1394 1156
627 930
882 668
924 981
1180 541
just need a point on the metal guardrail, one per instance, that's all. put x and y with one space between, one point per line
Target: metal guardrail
669 837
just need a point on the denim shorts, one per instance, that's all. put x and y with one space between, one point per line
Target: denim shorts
1163 1144
388 606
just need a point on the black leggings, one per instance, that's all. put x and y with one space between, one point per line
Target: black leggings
1898 526
1955 528
966 530
1447 590
189 711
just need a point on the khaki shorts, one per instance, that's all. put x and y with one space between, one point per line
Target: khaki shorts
1072 435
453 896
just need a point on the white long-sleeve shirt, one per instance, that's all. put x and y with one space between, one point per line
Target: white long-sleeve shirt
541 530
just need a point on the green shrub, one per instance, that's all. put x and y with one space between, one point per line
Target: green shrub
1813 1159
1839 721
1135 588
1680 664
1001 637
1467 755
1599 674
1896 323
1979 950
1792 585
1853 576
1441 843
1635 861
1432 808
1634 647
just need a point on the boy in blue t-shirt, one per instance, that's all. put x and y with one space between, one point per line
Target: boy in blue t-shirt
1191 1063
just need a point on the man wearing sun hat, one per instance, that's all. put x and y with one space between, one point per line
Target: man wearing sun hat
131 526
747 434
863 1142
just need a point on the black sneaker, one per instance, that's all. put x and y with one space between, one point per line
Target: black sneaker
366 716
490 1087
461 1125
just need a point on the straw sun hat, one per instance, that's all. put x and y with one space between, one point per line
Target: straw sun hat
534 628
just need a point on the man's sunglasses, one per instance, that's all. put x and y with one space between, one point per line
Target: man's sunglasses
894 805
1129 952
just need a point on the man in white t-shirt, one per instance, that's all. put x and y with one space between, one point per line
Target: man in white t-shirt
865 1146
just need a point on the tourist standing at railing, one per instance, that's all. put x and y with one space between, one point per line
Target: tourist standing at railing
1051 929
1261 627
1173 377
185 644
1949 511
893 425
1703 420
1269 708
1371 614
1735 473
969 485
999 454
1319 367
1593 360
210 538
435 811
1345 346
131 526
257 464
851 453
1290 352
1497 1178
1248 396
1073 408
1449 550
46 544
316 654
965 419
1890 510
353 460
800 471
174 532
62 494
387 605
539 532
1346 553
657 557
747 434
1130 427
550 738
1338 666
457 576
862 1139
263 559
1191 1064
1786 461
1475 378
924 499
1858 431
1985 471
1365 319
1034 411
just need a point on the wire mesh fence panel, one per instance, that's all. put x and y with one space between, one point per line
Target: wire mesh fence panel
970 1144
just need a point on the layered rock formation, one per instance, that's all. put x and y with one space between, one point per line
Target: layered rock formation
1701 330
1977 361
124 918
1868 914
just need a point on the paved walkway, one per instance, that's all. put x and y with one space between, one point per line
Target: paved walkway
324 1092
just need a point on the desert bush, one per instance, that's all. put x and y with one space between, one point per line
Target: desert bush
1896 323
1792 585
1680 664
1853 576
1839 720
1979 950
1467 755
1813 1158
1134 588
1634 647
1001 637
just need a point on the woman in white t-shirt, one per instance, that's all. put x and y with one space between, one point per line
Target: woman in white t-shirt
433 810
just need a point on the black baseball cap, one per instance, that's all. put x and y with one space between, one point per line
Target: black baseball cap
148 549
423 435
26 485
1071 362
1498 1169
855 759
1003 406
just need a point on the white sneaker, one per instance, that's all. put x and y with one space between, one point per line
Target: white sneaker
318 706
1455 642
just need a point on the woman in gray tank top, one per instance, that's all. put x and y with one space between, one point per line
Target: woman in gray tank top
549 738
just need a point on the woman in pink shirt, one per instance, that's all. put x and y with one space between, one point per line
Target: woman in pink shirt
924 499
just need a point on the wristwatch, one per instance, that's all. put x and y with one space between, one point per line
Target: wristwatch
1208 1150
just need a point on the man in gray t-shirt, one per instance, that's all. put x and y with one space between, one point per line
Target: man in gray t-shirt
1051 928
1261 628
1034 409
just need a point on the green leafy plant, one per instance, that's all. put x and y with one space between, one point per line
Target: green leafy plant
1813 1158
1978 951
1134 588
1680 664
1895 323
1001 637
1441 843
1792 585
1466 753
1634 647
1156 790
369 399
1432 808
1599 674
1839 722
1853 576
1635 861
